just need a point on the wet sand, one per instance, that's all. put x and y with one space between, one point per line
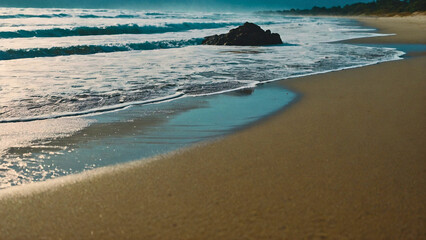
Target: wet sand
347 161
411 29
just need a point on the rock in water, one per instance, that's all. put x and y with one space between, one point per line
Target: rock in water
248 34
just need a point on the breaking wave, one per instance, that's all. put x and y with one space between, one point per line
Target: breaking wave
92 49
100 16
63 15
59 15
114 30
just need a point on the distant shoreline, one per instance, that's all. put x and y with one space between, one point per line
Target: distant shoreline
380 8
392 14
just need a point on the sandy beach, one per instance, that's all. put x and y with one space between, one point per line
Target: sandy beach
411 29
347 161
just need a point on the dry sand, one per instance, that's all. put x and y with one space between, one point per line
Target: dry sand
348 161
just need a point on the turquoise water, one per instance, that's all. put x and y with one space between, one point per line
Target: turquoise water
407 48
86 61
144 131
75 83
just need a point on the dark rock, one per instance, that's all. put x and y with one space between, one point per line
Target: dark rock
248 34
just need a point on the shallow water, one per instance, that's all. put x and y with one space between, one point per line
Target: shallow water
86 60
407 48
73 144
78 86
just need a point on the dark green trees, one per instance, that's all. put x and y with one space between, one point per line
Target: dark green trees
378 7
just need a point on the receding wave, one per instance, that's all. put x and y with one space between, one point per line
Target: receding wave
113 30
92 49
94 110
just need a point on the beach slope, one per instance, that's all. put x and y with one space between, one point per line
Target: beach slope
347 161
410 29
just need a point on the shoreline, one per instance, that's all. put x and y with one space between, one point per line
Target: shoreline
329 166
79 144
153 130
409 29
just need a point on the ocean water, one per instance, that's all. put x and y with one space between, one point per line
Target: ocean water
69 72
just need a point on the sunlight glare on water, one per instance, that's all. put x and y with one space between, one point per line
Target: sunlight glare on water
59 67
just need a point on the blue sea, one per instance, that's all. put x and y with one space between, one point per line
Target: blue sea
86 88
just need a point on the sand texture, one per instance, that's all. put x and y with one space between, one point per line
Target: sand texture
347 161
411 29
